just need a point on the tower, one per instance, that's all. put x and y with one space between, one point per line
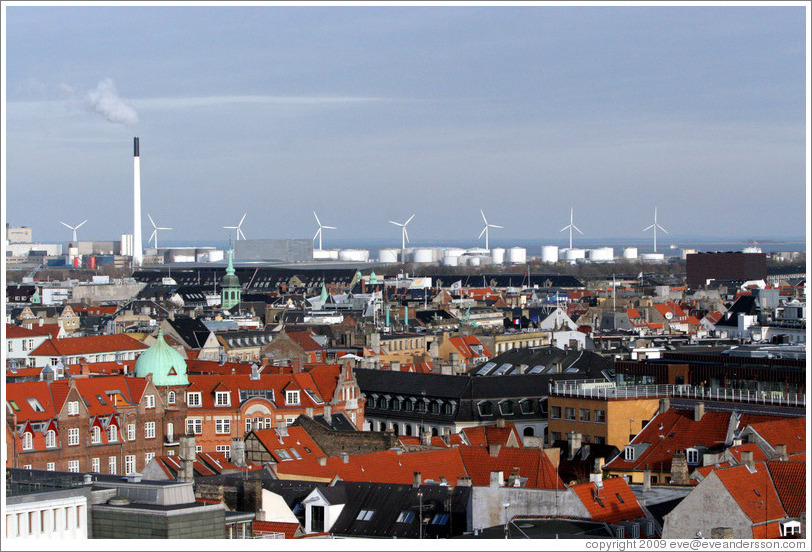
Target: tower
230 291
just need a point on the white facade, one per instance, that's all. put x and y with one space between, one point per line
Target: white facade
21 347
22 249
51 518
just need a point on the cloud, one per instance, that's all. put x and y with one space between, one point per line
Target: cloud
104 100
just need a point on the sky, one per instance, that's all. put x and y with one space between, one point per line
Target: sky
374 113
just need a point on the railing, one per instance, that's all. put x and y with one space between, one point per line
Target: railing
268 535
575 388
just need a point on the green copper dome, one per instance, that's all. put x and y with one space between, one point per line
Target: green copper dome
164 363
230 280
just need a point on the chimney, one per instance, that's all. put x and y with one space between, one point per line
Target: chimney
747 460
237 451
464 481
418 477
596 477
573 443
647 480
500 422
699 411
322 461
328 414
665 404
394 366
425 438
282 430
679 468
554 454
514 480
137 245
497 479
187 457
447 436
781 451
493 450
345 457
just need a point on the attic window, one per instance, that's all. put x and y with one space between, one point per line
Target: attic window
405 517
756 491
365 515
440 519
620 498
14 406
283 454
628 454
35 405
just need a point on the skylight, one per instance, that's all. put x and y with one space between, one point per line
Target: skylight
405 517
365 515
486 368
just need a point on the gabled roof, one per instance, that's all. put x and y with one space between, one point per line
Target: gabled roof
531 463
465 344
304 340
669 432
753 492
15 332
786 431
486 435
289 529
72 346
613 502
297 439
789 479
18 394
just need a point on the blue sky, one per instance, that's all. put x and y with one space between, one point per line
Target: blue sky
370 114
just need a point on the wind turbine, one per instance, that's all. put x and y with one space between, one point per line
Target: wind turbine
571 226
404 233
318 232
74 228
155 231
485 230
237 228
655 226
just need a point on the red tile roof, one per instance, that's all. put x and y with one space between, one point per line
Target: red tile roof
18 393
669 432
491 435
464 345
758 454
785 431
14 332
789 479
612 503
753 492
297 439
287 528
72 346
531 463
304 340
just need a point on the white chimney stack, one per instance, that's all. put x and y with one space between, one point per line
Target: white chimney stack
137 246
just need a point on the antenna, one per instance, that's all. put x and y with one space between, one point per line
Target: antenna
155 231
239 231
404 233
485 230
571 226
74 228
321 227
655 226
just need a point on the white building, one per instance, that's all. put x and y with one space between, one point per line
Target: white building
49 515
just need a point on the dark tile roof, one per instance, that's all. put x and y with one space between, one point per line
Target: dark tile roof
192 330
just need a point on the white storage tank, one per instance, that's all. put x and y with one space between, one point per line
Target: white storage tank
388 255
652 257
574 254
549 253
321 255
602 254
474 260
354 255
517 255
453 252
451 260
498 255
477 251
423 256
630 253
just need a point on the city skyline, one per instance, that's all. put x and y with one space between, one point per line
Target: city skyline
370 114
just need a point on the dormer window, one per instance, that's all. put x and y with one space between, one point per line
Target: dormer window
50 439
222 398
629 454
692 456
193 398
28 440
485 408
149 401
112 433
292 397
73 408
95 435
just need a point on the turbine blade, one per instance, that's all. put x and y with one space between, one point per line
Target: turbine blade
395 223
150 219
483 216
406 233
80 224
68 225
317 218
152 235
481 233
241 233
663 229
495 226
330 227
576 228
242 219
648 228
316 235
567 226
408 221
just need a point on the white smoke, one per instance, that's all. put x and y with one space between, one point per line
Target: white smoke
104 100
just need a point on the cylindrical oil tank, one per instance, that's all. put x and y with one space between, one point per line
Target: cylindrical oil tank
549 253
498 255
630 253
355 255
656 257
423 256
451 260
453 252
474 260
477 251
602 254
321 255
388 255
517 255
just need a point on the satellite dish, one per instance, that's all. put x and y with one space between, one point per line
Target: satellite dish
669 315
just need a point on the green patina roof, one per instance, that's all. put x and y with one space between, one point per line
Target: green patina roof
230 280
160 360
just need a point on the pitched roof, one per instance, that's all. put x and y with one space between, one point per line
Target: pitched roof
72 346
491 435
784 431
789 479
612 503
17 398
753 491
296 439
531 463
304 340
287 528
669 432
14 332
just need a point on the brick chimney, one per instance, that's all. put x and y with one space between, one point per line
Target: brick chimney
679 468
187 457
781 451
322 461
237 451
497 479
573 443
747 459
699 411
665 404
425 438
500 422
418 478
647 480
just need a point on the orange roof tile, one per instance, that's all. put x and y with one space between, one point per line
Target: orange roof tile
784 431
14 332
287 528
531 463
491 435
612 503
297 439
753 492
72 346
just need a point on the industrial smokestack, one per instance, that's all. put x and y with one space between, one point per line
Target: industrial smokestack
137 246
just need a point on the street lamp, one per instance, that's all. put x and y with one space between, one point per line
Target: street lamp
505 506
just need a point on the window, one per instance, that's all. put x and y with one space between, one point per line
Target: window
170 397
569 413
409 405
292 397
198 449
95 435
555 412
222 398
317 519
170 431
225 449
247 425
583 414
73 466
28 440
111 463
526 406
365 515
599 416
149 430
440 519
485 408
129 464
283 454
405 517
73 436
149 401
692 456
290 419
73 408
50 466
194 426
448 409
95 465
222 425
148 456
193 399
506 408
628 453
112 433
131 432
